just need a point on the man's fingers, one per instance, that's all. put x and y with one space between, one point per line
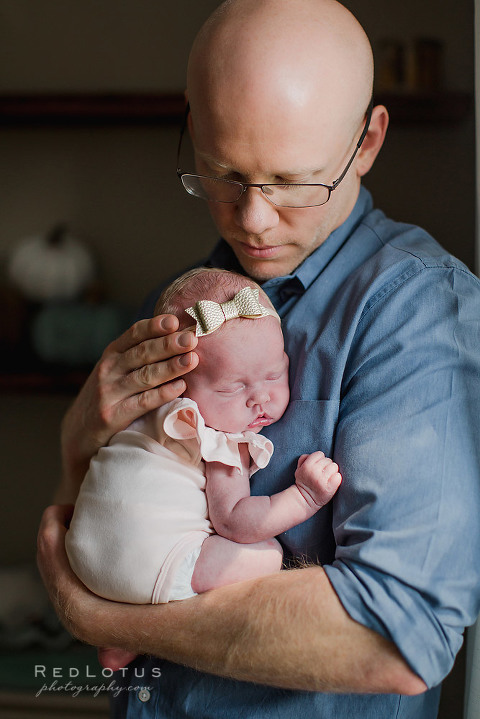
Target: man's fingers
63 586
126 382
51 540
151 375
53 527
154 350
150 340
142 330
138 404
55 519
110 401
150 388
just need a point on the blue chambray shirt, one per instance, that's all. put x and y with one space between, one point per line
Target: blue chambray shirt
382 328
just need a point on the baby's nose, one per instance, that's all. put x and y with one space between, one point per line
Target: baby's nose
260 397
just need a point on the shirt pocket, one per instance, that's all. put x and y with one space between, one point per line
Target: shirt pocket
307 426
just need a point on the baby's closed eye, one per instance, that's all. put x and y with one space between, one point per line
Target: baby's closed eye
233 389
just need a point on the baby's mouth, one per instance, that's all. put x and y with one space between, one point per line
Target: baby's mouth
263 420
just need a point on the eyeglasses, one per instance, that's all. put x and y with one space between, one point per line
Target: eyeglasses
294 195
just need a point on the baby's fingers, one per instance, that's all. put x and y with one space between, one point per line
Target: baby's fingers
334 482
330 468
311 459
302 459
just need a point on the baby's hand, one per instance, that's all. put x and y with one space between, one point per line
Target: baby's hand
317 478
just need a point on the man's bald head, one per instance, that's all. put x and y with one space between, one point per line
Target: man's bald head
278 91
279 58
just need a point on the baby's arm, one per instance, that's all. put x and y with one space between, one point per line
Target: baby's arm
242 518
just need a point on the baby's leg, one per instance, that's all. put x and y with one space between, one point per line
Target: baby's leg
222 562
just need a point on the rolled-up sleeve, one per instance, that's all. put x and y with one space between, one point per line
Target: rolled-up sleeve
407 517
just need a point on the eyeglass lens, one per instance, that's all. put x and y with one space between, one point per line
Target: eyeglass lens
219 190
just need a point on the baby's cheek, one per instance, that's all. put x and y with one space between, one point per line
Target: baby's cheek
284 398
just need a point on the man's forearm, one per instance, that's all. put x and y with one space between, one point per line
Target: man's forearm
287 630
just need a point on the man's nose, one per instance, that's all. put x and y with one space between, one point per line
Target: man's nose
259 397
254 213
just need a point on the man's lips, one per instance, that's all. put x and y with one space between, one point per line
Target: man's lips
261 252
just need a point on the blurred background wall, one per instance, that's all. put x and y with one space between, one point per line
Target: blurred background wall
115 185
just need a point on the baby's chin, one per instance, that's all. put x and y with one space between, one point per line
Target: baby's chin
238 429
255 430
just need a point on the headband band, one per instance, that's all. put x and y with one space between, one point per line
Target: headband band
209 315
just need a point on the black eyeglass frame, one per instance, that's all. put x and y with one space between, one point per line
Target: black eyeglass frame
246 185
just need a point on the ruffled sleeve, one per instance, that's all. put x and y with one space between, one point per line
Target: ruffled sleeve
184 422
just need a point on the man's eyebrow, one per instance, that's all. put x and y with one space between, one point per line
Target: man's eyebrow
212 160
303 173
298 172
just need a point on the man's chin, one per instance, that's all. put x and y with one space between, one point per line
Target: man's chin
263 270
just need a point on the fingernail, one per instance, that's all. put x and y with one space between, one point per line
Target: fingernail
185 360
185 340
168 323
178 385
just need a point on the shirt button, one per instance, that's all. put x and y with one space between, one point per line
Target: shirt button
144 695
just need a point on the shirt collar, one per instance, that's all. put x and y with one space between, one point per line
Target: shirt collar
283 289
311 267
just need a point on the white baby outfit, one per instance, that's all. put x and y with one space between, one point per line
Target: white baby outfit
141 515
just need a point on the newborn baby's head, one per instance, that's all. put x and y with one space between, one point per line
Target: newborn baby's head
241 381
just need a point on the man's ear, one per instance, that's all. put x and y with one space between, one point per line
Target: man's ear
373 140
189 118
191 130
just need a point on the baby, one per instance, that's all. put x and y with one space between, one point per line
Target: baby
165 510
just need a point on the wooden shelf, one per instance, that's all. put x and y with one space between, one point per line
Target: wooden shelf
150 108
435 108
86 109
94 108
63 381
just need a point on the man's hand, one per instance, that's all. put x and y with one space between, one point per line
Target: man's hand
61 583
138 372
78 609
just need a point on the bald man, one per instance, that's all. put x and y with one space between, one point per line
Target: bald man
381 326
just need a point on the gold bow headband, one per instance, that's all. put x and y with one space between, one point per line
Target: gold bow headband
209 315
